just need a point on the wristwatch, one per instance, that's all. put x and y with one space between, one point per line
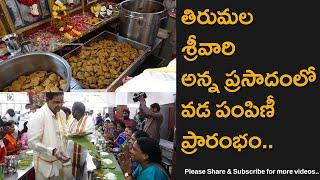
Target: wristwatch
127 174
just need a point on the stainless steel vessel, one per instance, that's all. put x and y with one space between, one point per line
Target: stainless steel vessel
28 63
140 20
110 36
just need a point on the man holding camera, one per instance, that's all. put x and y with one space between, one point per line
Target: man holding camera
154 118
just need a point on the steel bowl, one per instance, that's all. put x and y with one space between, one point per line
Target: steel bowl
31 62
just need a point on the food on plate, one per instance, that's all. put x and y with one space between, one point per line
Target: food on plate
39 81
24 163
107 161
110 176
100 63
104 154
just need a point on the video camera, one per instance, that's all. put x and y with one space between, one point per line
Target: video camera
136 96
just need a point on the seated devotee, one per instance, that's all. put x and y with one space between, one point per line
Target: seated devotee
11 143
147 152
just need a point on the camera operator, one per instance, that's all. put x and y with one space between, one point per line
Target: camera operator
154 118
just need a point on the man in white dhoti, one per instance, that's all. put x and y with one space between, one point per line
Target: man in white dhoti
46 132
78 154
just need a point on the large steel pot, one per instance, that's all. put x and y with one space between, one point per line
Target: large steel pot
140 20
28 63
